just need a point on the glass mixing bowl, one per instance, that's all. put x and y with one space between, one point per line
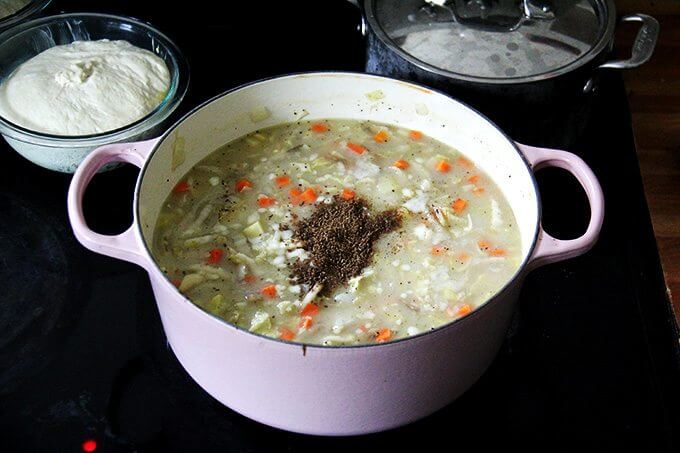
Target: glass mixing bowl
64 153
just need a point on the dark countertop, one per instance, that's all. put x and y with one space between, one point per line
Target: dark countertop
654 95
592 360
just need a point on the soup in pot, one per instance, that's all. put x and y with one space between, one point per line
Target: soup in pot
337 232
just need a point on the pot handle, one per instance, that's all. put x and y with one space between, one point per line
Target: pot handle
363 26
643 46
125 246
549 249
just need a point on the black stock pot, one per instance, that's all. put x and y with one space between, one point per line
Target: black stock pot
518 61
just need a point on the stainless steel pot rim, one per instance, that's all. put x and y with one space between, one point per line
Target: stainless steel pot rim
516 279
606 8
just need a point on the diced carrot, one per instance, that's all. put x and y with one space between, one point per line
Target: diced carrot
459 205
478 190
497 252
214 256
415 135
181 187
463 162
242 184
286 334
295 196
310 310
486 246
381 137
264 201
282 181
306 323
463 310
269 291
443 166
463 257
348 194
383 335
438 250
176 282
320 127
473 179
356 148
401 164
249 278
308 196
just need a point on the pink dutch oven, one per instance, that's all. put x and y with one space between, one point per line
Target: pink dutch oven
333 390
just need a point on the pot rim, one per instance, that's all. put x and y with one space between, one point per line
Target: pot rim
510 283
607 7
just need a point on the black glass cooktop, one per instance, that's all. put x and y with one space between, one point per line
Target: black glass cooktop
590 362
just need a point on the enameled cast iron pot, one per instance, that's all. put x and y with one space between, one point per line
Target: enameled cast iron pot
334 390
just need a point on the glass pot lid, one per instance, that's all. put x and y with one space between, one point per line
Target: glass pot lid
501 41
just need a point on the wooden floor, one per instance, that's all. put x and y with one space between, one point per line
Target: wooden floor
654 94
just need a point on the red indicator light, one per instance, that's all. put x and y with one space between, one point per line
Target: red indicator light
89 445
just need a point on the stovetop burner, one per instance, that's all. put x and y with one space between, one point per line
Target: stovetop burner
37 289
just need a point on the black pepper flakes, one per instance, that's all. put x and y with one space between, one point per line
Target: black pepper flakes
339 239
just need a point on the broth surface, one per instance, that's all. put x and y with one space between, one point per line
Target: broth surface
229 233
